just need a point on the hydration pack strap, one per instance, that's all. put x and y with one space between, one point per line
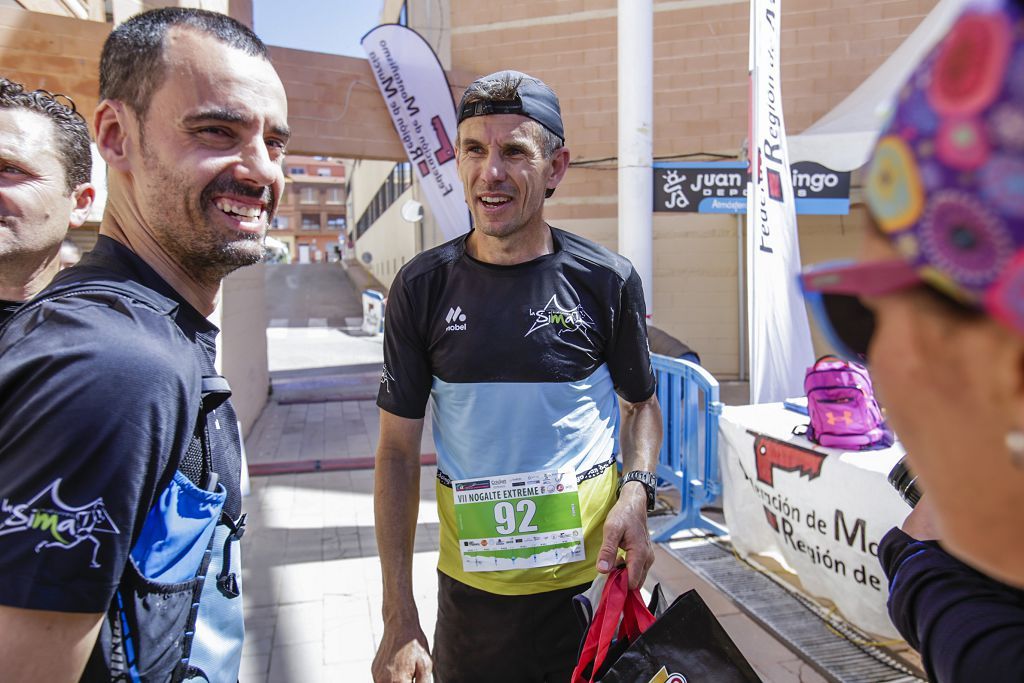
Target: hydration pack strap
215 391
227 582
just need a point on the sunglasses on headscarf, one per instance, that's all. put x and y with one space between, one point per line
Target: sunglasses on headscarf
833 290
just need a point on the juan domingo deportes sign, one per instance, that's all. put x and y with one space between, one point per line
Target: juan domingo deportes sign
721 187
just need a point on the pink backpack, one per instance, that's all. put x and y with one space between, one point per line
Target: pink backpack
842 406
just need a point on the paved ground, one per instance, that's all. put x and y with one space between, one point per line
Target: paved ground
312 577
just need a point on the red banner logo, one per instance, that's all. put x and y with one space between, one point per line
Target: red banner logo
772 454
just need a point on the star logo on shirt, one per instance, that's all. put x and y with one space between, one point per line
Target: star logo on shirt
565 319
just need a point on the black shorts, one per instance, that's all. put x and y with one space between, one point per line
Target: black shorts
482 636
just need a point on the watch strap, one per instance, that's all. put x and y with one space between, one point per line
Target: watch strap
649 481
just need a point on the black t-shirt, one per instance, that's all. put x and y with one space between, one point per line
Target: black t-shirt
7 309
523 364
557 318
98 398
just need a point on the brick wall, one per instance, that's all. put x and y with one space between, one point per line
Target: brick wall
335 107
56 53
700 70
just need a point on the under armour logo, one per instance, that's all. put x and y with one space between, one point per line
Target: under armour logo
846 417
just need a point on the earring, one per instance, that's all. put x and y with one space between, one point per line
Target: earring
1015 444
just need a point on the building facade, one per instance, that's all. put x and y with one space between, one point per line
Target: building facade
312 215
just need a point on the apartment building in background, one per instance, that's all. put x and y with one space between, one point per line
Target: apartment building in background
311 217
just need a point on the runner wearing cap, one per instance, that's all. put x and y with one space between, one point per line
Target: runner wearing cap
529 340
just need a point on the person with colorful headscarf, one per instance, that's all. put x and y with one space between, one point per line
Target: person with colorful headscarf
936 307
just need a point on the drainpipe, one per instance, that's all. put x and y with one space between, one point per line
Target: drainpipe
636 106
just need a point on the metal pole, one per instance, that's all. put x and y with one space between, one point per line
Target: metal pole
636 106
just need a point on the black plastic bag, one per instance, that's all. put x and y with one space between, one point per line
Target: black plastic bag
686 644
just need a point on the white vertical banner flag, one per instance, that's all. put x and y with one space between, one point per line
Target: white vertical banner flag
780 339
418 97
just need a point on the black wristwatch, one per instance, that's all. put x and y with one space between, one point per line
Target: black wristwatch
648 479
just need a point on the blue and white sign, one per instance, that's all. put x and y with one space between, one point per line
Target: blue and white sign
721 187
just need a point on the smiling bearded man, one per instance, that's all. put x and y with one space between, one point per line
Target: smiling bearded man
116 433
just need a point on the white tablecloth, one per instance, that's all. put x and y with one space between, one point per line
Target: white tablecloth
818 511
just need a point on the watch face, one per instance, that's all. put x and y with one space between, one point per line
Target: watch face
647 478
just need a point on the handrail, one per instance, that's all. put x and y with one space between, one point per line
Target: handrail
690 408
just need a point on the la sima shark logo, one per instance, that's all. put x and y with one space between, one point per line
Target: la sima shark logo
566 319
386 378
62 526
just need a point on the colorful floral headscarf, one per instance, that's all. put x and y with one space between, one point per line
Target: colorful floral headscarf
946 181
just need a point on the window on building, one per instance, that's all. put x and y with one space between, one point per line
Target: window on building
296 170
310 221
323 172
307 195
335 222
334 195
397 182
280 223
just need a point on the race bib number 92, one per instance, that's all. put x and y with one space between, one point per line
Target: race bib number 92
519 521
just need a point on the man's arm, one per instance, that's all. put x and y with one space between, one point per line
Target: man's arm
38 645
626 525
403 654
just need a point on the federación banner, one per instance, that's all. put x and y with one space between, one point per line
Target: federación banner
780 338
819 512
420 102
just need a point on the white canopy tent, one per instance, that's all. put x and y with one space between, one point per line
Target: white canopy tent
843 138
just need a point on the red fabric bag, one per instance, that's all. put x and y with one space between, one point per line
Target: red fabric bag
617 601
627 644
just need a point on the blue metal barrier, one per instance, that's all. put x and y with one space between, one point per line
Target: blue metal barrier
690 408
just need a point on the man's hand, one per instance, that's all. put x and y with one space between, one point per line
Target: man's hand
626 528
626 524
403 656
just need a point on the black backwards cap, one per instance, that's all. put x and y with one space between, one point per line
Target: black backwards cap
535 100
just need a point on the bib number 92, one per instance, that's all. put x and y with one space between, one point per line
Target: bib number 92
505 516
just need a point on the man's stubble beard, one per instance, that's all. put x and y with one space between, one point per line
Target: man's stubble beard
187 231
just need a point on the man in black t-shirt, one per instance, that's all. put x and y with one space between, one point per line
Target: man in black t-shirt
527 339
45 165
119 454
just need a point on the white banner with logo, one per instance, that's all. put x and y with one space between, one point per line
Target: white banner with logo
419 100
818 511
780 338
373 312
